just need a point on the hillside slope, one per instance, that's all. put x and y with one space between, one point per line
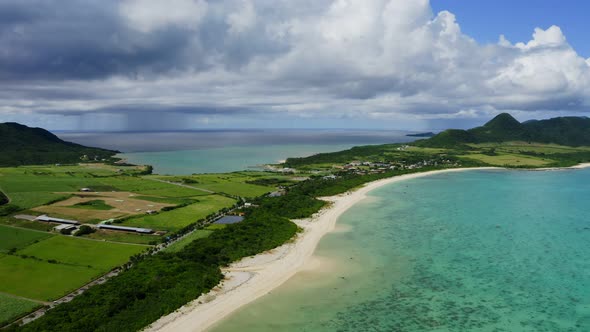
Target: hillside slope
22 145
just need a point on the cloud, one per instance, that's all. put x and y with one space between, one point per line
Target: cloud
242 19
150 15
381 60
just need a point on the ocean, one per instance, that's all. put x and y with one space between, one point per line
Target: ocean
218 151
485 250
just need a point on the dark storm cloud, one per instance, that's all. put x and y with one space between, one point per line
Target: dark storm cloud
66 39
193 60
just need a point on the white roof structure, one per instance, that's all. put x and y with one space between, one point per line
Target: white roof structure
47 218
125 228
63 226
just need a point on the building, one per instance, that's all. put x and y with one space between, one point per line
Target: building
225 220
47 218
125 229
66 227
278 193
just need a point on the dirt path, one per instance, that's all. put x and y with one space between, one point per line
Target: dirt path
25 298
182 185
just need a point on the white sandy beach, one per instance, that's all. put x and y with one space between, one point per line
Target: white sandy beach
256 276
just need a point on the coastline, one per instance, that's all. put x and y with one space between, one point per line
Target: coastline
253 277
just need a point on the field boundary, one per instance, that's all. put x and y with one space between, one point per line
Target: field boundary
26 298
182 185
27 229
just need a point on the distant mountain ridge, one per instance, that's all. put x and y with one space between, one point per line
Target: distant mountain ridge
22 145
570 131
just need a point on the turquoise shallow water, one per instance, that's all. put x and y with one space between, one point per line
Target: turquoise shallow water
225 159
470 251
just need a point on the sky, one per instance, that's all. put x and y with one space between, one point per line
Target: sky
118 65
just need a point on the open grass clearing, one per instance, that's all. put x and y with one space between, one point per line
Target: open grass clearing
18 238
244 184
214 227
34 225
524 147
425 150
12 308
510 160
98 255
41 280
96 204
124 237
181 217
198 234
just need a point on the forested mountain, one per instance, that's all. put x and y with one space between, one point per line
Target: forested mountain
571 131
22 145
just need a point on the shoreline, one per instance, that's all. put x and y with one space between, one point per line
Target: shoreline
256 276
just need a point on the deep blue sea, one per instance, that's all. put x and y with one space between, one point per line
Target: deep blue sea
215 151
469 251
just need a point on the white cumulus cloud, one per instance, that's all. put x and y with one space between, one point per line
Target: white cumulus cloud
323 59
150 15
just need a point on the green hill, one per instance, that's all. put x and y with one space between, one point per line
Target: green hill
22 145
570 131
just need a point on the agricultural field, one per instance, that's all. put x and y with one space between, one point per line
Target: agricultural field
41 280
39 265
94 207
98 255
513 160
181 217
55 266
123 237
12 308
17 238
33 225
243 184
524 147
33 186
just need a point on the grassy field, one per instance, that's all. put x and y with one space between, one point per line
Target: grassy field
41 280
97 204
17 238
178 218
34 225
214 227
55 266
232 183
33 186
523 147
12 308
98 255
124 237
199 234
509 160
95 207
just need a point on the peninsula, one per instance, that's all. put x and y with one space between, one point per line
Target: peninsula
217 267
